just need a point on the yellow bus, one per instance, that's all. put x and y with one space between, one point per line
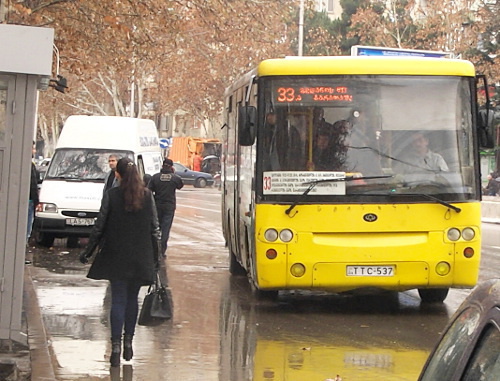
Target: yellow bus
345 173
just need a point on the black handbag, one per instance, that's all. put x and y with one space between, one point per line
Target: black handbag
157 305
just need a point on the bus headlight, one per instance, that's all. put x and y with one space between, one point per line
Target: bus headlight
443 268
286 235
468 234
297 270
453 234
271 235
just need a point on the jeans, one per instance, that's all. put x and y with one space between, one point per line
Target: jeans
31 217
124 307
165 218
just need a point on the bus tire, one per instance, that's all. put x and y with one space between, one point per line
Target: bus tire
433 295
263 295
235 268
271 295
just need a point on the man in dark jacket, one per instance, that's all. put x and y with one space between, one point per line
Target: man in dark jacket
110 181
33 201
163 185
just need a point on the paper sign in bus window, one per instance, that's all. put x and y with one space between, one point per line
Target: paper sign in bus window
291 182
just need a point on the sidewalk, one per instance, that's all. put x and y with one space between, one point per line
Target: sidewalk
18 363
490 209
35 363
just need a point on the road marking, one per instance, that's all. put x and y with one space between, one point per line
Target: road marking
198 208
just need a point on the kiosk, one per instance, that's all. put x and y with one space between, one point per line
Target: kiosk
25 68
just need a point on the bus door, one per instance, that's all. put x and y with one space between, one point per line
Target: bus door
229 175
245 188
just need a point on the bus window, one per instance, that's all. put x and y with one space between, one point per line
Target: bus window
372 126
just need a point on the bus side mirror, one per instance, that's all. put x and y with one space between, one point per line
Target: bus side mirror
247 118
484 123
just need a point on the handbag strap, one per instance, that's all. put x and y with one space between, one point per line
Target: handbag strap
158 283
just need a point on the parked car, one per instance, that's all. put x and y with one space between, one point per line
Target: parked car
469 349
189 177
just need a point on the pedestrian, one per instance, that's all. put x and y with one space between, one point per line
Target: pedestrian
164 185
128 234
146 179
110 180
33 200
493 186
197 160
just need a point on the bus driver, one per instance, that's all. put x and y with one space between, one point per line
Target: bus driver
421 158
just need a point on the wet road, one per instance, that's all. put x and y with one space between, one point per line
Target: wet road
219 332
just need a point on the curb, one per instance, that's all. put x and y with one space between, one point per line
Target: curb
41 361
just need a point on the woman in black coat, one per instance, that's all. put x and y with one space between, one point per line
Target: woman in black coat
128 236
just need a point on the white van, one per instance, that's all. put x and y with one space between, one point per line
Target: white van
72 189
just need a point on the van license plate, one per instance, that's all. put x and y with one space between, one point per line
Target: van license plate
80 221
370 270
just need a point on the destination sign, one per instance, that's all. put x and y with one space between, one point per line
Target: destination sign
313 94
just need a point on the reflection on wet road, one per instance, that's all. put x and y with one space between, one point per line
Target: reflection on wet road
219 332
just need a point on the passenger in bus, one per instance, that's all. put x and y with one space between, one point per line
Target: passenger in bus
270 142
322 153
329 150
283 143
420 158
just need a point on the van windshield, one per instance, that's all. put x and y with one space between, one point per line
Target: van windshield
84 164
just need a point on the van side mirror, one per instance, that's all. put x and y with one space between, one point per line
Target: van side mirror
247 118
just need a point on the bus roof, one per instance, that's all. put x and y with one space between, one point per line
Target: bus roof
365 65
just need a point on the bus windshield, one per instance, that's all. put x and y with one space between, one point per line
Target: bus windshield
399 135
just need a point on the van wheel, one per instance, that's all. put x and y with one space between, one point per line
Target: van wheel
72 242
433 295
44 239
200 183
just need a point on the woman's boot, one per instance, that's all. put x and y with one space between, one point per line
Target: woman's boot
128 353
116 349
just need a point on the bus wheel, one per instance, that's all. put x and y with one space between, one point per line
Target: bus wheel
234 266
433 295
259 294
266 294
72 242
44 239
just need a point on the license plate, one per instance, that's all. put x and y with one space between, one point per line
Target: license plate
80 221
370 270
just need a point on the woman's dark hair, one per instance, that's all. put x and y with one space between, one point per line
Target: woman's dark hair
131 184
